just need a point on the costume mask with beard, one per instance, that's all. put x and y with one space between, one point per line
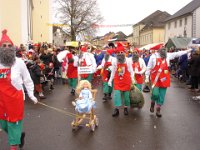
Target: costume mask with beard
7 56
163 53
106 56
135 57
121 58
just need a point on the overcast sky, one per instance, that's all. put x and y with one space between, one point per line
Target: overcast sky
116 12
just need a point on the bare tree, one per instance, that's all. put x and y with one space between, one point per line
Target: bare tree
79 16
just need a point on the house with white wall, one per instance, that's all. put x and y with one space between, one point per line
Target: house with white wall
185 22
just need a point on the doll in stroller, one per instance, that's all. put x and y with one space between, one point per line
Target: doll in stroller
84 106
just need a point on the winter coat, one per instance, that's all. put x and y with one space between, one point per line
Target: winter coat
194 64
183 62
35 73
46 58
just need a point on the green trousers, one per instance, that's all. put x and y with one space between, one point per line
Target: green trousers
107 89
118 95
14 131
158 95
89 78
139 86
72 82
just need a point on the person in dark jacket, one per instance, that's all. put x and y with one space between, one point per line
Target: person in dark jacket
183 66
57 64
36 74
46 56
194 64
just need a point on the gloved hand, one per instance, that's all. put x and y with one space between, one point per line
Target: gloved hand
110 83
34 99
147 79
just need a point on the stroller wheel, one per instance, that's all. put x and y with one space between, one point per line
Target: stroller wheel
97 121
74 127
92 126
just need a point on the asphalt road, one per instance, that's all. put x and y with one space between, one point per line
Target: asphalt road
178 129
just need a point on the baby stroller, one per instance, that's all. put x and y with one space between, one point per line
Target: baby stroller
89 116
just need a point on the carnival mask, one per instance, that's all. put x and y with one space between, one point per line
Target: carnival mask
121 58
7 56
106 56
163 53
135 57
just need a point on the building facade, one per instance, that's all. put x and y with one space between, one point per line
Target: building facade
185 22
26 20
60 37
150 30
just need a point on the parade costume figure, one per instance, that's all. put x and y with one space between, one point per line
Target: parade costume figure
106 68
87 59
64 63
13 74
139 69
123 76
85 102
158 70
72 71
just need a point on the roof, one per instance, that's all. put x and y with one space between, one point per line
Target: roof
178 42
97 38
119 36
130 35
189 8
155 20
108 34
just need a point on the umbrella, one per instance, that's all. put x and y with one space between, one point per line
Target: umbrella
72 44
197 41
151 46
157 47
76 44
194 42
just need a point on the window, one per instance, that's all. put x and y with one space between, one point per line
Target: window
185 21
169 25
175 24
180 24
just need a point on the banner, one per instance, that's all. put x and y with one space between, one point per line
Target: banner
85 70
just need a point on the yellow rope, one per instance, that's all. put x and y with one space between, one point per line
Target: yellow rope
62 111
